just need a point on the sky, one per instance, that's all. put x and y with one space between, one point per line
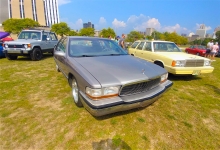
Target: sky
124 16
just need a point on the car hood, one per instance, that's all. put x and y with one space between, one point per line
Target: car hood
179 55
118 70
21 41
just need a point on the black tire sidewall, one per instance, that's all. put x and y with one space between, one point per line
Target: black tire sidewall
36 55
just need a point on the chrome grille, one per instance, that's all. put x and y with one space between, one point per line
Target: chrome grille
139 87
15 46
194 63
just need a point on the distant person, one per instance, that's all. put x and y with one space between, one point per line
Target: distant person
214 50
117 39
121 42
208 50
110 37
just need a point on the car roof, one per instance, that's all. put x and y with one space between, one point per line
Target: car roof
154 41
86 37
38 30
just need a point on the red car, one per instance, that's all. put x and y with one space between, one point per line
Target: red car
196 50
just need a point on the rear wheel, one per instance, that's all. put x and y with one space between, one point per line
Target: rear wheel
75 91
36 55
10 57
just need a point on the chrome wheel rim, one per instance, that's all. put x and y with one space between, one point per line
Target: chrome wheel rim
75 91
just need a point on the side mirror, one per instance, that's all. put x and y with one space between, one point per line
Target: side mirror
59 53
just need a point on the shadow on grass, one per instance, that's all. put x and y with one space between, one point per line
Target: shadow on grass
183 77
216 90
27 58
115 143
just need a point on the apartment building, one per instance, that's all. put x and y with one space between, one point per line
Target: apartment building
45 12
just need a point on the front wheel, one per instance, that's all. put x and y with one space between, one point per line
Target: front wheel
10 57
75 92
36 55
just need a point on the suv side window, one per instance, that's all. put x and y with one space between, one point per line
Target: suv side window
62 45
44 36
134 45
53 37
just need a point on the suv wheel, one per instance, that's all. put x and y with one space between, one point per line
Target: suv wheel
10 57
75 92
36 54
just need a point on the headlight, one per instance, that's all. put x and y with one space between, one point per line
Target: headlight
96 94
163 78
27 45
178 63
6 45
207 63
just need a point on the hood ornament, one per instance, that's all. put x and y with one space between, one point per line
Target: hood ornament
143 70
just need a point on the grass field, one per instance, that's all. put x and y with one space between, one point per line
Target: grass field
37 112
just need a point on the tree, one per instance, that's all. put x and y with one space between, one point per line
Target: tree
107 32
60 28
133 36
87 32
217 34
16 25
72 33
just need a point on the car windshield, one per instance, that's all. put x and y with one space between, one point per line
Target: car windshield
30 35
90 47
165 47
201 47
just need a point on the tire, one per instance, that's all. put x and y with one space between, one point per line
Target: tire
75 92
36 55
10 57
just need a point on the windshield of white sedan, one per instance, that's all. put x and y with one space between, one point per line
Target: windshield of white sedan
30 35
165 47
94 47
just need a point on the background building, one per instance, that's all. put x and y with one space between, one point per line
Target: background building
88 25
149 31
45 12
201 32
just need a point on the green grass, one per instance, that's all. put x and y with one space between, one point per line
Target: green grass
37 112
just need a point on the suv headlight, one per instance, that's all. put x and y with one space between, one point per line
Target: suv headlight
6 45
207 63
163 78
178 63
26 45
105 92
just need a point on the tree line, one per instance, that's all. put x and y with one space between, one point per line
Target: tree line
62 29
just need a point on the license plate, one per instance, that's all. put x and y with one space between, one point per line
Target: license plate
196 72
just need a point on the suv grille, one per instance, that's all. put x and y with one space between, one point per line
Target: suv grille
139 87
194 63
15 46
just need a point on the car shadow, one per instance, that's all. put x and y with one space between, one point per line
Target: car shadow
27 58
216 89
172 77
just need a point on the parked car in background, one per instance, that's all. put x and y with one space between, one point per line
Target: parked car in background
198 50
33 43
168 55
4 37
104 78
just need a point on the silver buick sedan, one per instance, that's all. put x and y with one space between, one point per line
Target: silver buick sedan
104 78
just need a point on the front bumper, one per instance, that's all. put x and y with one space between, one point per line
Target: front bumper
17 51
117 104
190 70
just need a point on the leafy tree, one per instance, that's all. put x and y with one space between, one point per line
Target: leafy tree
87 32
133 36
60 28
72 33
16 25
217 34
107 32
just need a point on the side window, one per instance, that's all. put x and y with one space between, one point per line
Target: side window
44 36
53 37
140 46
134 45
62 45
147 46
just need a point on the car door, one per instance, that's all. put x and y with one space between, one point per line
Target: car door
45 42
53 40
139 52
147 51
60 55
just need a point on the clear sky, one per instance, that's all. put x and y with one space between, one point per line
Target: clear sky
182 16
